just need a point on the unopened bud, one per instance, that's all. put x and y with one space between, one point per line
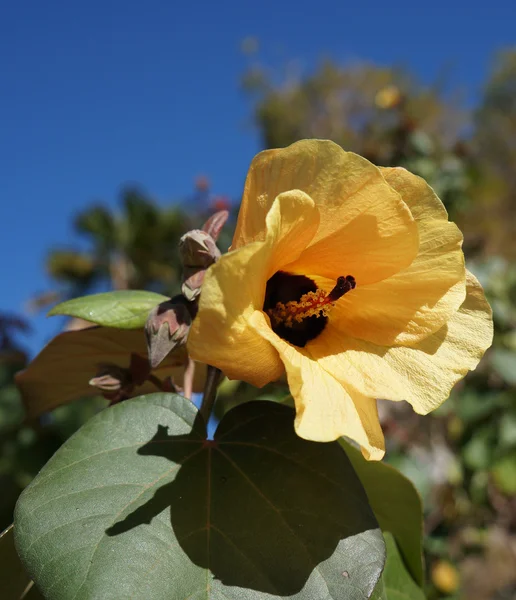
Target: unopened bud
215 223
118 383
191 287
166 328
198 251
111 378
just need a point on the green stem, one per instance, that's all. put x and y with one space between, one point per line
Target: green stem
210 392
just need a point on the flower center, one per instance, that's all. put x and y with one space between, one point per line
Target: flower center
298 309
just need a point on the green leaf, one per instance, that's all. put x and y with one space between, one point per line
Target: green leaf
124 309
139 504
15 582
504 473
379 592
478 451
504 363
474 406
507 433
396 581
396 505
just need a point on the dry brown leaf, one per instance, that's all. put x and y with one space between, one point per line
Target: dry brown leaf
61 371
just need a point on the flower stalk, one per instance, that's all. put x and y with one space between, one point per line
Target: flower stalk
210 392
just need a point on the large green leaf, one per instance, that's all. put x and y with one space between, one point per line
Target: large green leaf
124 309
396 504
396 582
15 583
139 504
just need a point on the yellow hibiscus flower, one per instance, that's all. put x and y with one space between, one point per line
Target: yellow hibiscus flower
351 279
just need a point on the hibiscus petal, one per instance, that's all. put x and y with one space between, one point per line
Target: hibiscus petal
291 225
365 229
325 410
234 288
418 300
423 374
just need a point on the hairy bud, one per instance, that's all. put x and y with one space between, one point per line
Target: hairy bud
118 383
215 223
111 378
191 287
167 327
198 251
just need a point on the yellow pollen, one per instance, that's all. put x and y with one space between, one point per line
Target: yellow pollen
312 304
309 305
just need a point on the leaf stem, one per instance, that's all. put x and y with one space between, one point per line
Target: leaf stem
188 379
210 392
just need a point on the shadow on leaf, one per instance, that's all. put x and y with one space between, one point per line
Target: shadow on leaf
258 506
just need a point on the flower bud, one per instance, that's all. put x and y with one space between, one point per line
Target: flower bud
114 382
166 328
215 223
198 251
191 287
111 378
117 383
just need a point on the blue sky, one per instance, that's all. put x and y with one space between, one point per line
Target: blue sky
97 94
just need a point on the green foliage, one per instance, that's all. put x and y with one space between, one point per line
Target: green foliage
17 584
504 473
396 582
18 580
124 309
503 363
141 504
397 507
64 265
381 113
462 458
25 446
136 248
495 157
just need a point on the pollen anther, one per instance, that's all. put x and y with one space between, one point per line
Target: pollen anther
312 304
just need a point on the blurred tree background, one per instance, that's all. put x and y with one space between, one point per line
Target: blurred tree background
462 458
